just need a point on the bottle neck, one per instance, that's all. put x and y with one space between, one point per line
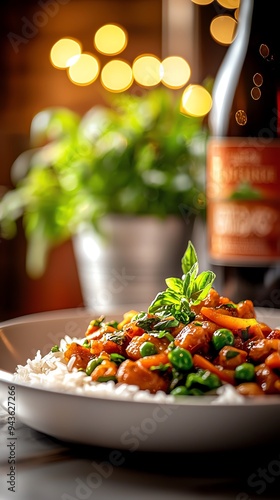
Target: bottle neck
228 75
248 81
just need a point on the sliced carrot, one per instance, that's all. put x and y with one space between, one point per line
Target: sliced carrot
154 360
127 317
105 369
97 332
96 347
92 329
273 360
265 328
256 331
205 364
227 321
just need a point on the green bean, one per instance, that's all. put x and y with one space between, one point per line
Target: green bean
106 379
93 363
116 357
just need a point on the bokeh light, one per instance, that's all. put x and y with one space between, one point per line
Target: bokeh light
63 52
85 70
236 14
229 4
176 72
116 76
223 29
196 101
147 70
202 2
110 39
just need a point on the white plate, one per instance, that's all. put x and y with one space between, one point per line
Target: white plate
192 424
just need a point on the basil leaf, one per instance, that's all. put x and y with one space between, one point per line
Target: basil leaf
175 284
181 294
231 354
189 279
165 334
189 258
145 323
164 298
165 324
202 286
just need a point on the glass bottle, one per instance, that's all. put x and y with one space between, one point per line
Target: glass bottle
243 161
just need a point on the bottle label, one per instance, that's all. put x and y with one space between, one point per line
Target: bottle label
243 201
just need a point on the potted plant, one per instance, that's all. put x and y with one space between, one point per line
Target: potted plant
137 161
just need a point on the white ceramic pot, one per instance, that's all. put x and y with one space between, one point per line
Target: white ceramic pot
127 264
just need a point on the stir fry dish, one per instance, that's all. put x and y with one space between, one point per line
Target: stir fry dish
190 341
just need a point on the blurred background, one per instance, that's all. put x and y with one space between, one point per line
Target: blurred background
30 82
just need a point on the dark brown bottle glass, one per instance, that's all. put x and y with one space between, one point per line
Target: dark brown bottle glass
243 161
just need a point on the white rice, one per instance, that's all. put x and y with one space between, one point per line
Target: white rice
53 372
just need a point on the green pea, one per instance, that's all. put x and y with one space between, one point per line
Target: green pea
195 392
55 348
180 390
147 349
93 363
245 372
180 358
202 379
222 337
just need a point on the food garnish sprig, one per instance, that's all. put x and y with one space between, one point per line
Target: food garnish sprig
182 293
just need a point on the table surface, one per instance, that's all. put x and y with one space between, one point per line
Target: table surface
48 469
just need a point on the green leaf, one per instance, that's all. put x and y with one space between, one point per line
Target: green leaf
165 324
167 335
175 284
231 354
189 258
189 280
181 294
164 298
202 286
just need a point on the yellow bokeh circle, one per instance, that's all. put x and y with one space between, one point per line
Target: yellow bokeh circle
196 101
202 2
63 51
147 70
116 76
223 29
229 4
176 72
110 39
85 70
